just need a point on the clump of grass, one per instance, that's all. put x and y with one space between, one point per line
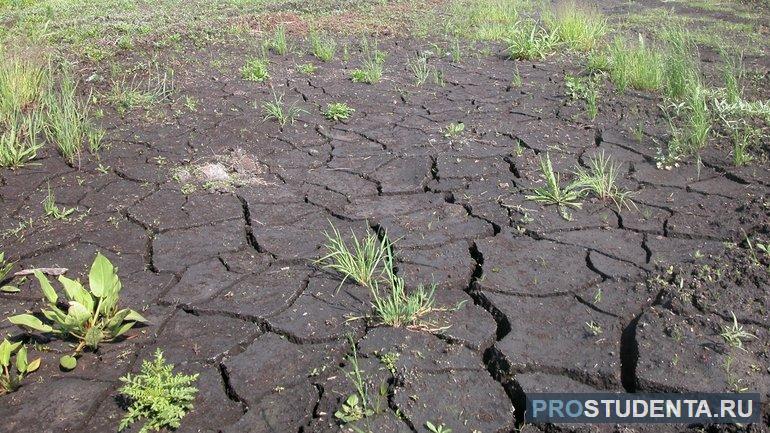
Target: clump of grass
420 69
371 263
19 139
67 125
681 65
322 46
127 95
454 129
600 178
732 74
744 139
279 44
372 64
689 125
360 263
531 41
52 210
255 69
586 89
307 68
552 193
337 111
638 66
734 334
579 27
278 110
486 20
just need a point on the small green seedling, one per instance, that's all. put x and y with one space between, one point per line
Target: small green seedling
552 193
92 317
358 405
420 69
278 110
10 380
371 68
52 210
255 70
307 68
437 428
337 111
279 44
594 328
158 395
734 335
454 129
5 271
361 263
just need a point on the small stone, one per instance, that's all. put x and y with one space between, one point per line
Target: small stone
213 172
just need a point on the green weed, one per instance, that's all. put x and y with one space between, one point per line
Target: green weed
552 193
420 69
636 65
734 334
322 46
530 41
278 110
579 27
600 178
337 111
157 395
279 44
52 210
12 373
255 69
92 316
372 64
361 263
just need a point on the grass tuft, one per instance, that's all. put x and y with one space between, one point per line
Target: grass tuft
360 263
530 41
552 193
322 46
579 27
255 70
278 110
600 178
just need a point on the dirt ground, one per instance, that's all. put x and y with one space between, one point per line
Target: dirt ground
225 270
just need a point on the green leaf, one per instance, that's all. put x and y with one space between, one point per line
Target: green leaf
102 278
5 353
45 285
76 292
68 362
123 329
30 321
33 365
21 360
133 316
9 289
78 312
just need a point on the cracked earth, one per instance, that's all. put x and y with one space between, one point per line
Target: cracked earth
227 279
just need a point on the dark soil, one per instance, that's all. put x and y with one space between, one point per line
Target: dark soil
227 279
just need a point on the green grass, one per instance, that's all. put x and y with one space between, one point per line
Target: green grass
682 70
485 20
578 26
372 64
68 124
636 65
361 262
600 179
553 193
322 46
279 43
420 69
19 139
278 110
255 69
337 111
531 41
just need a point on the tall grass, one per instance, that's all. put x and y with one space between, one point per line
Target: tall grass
22 86
580 27
486 20
636 65
682 73
67 125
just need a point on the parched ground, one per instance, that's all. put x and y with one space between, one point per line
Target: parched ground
224 270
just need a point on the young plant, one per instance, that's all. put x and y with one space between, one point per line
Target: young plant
744 139
52 210
585 89
437 428
454 129
10 380
580 27
361 264
358 405
681 65
279 43
732 74
307 68
277 109
337 111
5 267
157 395
600 179
91 318
637 66
371 68
67 124
594 328
530 41
734 335
19 140
552 193
420 69
255 69
322 46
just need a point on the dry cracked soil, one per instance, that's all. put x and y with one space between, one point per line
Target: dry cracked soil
225 271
